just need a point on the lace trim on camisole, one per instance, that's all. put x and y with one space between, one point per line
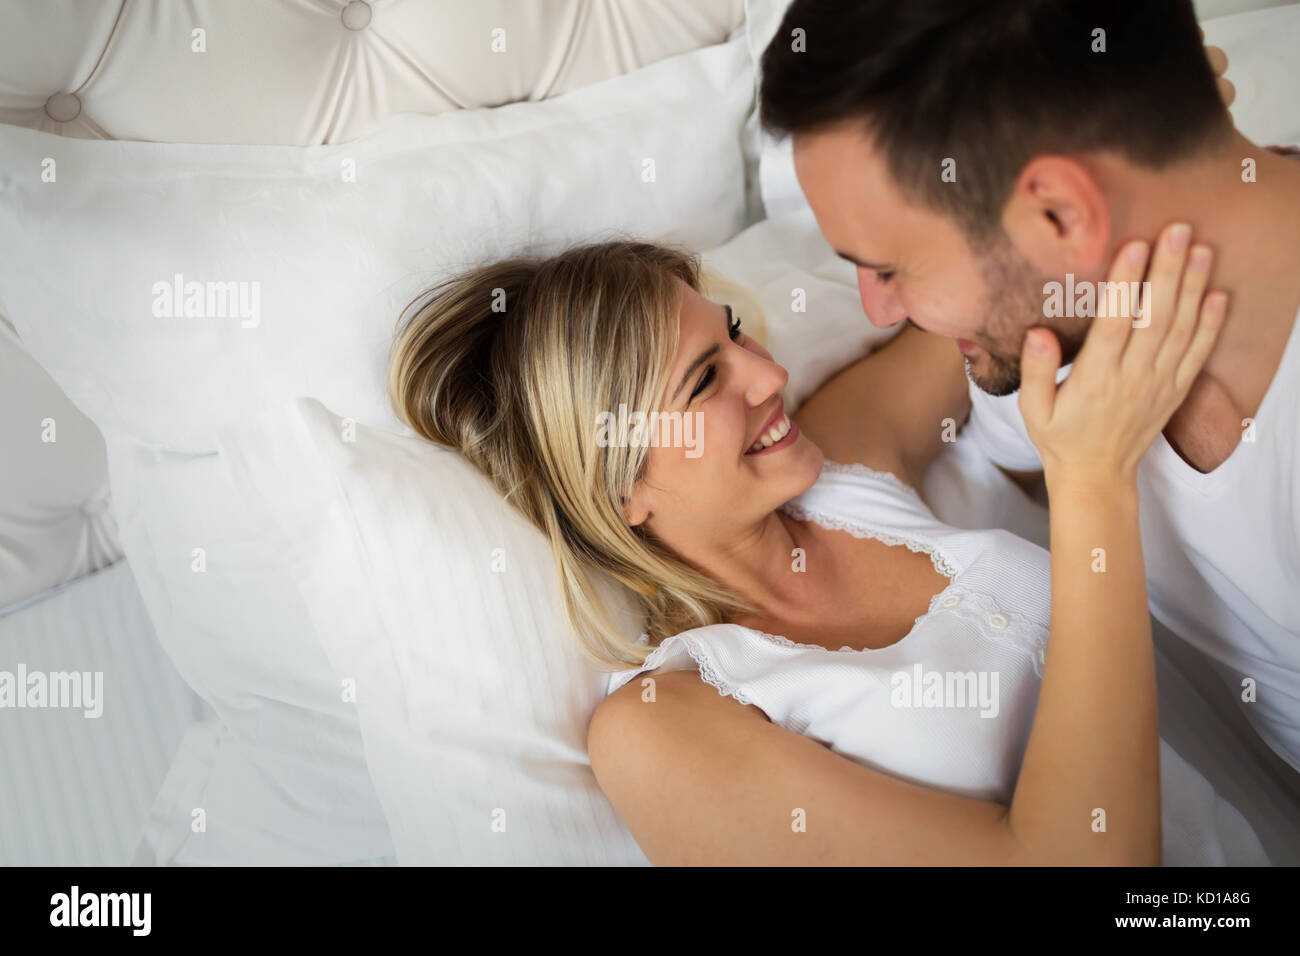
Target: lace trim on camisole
888 477
859 529
709 673
976 607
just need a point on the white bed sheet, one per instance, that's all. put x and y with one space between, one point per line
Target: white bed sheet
76 790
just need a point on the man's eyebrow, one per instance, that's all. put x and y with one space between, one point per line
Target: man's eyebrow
858 262
704 356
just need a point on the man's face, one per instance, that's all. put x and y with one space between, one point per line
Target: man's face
915 264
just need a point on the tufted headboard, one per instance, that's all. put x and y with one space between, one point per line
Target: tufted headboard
307 72
285 72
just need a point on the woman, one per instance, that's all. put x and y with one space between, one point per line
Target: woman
829 673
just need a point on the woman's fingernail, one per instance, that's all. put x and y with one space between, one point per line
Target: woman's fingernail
1218 303
1037 342
1136 254
1179 236
1201 256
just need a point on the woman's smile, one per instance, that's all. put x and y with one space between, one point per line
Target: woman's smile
781 434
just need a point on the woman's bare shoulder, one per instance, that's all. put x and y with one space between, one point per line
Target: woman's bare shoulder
639 721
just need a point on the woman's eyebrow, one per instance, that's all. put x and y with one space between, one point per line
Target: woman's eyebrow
704 356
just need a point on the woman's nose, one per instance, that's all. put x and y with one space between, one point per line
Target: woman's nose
767 378
879 302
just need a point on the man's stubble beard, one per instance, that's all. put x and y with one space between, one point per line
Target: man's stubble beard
1013 303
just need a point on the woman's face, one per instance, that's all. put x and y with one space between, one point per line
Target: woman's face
710 480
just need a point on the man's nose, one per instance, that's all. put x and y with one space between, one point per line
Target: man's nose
882 307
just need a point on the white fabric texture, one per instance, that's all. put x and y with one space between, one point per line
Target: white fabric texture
440 602
337 262
991 619
1222 549
55 520
76 789
285 783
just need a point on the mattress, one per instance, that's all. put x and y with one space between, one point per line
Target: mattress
76 788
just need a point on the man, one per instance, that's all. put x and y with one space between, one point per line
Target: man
976 160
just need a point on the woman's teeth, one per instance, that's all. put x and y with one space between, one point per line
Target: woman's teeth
773 435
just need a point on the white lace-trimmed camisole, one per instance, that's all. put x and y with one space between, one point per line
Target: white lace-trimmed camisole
951 704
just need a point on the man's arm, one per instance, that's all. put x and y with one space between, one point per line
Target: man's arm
1031 482
892 409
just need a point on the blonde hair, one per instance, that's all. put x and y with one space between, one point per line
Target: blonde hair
511 364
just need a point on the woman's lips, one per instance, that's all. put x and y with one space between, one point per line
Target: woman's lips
790 437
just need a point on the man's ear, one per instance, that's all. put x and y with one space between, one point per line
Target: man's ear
1058 218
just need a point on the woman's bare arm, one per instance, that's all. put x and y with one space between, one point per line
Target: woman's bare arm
701 779
892 409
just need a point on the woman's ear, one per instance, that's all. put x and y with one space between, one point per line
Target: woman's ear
635 510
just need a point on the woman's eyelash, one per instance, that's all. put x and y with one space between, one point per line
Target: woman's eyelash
884 276
733 330
705 379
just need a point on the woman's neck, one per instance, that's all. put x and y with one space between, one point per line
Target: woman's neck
769 567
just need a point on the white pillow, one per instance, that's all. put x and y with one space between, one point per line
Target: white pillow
337 262
322 264
440 602
55 521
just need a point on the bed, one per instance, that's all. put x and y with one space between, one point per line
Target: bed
126 552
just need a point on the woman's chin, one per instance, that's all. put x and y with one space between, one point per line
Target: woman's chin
791 471
815 458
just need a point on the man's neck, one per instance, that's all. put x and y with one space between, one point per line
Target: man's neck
1254 229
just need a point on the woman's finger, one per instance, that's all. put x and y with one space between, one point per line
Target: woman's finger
1159 295
1187 312
1227 92
1213 311
1108 333
1040 359
1219 63
1218 59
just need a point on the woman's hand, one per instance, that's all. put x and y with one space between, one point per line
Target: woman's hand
1128 378
1218 63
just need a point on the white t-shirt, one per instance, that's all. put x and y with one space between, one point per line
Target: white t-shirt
1222 549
